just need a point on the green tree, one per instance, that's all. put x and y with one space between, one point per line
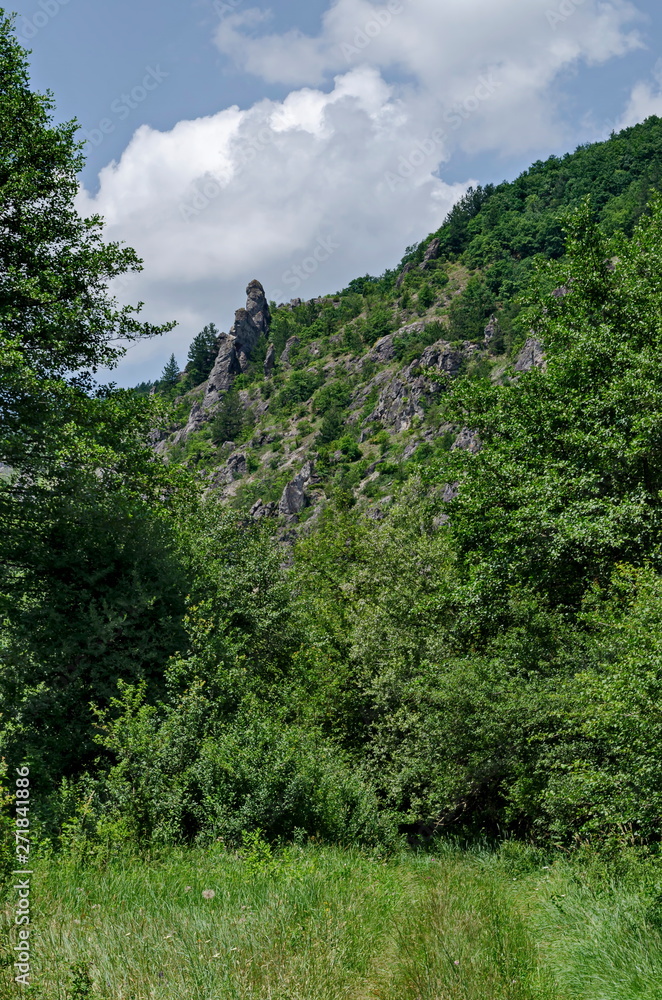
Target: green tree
202 354
426 297
229 418
88 552
56 316
169 381
378 323
569 478
331 427
470 310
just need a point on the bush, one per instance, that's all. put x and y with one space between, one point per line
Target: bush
349 448
299 387
379 322
228 422
426 297
469 311
332 396
179 776
331 427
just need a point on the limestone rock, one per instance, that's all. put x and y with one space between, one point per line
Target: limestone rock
491 331
270 360
431 253
410 449
154 437
531 356
294 498
233 469
195 420
442 356
237 464
401 396
226 367
383 350
260 510
287 350
467 440
235 347
450 492
257 307
403 273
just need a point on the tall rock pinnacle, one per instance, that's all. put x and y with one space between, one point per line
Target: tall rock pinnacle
236 346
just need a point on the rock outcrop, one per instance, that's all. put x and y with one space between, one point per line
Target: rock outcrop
236 346
261 509
383 350
403 274
234 468
431 253
287 350
531 356
196 418
491 331
401 396
467 440
294 498
270 361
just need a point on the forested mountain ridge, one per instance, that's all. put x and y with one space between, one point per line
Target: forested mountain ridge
332 394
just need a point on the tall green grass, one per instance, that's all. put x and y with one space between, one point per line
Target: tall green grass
326 924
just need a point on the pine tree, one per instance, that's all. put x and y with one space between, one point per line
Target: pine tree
228 422
202 354
170 376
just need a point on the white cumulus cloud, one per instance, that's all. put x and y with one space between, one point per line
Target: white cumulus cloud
645 100
335 179
445 47
303 194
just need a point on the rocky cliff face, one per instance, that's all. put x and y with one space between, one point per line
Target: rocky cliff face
236 346
332 413
531 356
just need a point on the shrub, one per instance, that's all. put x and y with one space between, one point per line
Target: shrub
228 421
188 775
379 322
349 448
331 427
426 297
299 387
332 396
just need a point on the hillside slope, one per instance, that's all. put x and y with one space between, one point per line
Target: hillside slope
329 398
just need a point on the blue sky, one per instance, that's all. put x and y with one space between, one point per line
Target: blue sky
306 143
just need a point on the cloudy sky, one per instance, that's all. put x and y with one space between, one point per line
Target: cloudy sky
308 142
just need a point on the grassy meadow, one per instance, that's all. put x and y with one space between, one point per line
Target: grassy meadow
320 923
